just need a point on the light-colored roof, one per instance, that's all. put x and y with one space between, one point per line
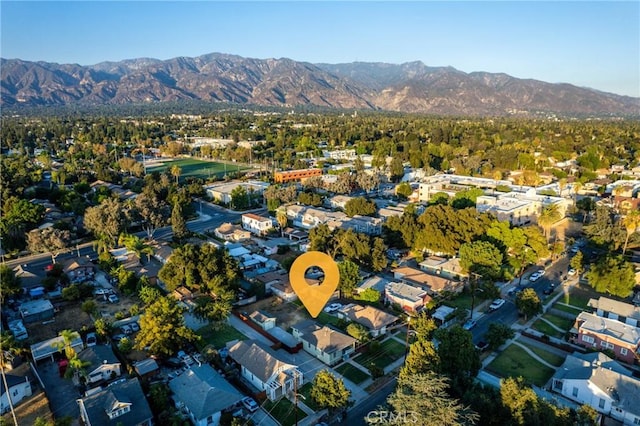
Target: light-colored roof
97 355
607 375
260 317
606 327
368 316
405 291
145 366
256 217
422 278
204 391
257 359
47 347
375 282
324 338
622 309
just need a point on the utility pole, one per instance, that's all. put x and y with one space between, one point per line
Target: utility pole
474 286
295 394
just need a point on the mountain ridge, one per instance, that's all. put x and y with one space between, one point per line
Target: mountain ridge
411 87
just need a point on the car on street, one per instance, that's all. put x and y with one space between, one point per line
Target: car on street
126 329
134 327
548 290
92 340
470 324
496 304
535 276
333 307
249 404
113 298
571 272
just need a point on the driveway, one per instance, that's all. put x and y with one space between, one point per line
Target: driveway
62 393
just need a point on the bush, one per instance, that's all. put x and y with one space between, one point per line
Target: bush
375 371
71 293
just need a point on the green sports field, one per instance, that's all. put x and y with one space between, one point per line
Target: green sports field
197 168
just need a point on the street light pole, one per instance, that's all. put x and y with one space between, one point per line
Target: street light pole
474 286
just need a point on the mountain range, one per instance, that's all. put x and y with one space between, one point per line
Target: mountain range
410 87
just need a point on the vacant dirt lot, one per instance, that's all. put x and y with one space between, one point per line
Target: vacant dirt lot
69 316
286 313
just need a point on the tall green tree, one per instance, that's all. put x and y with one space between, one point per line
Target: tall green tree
152 212
107 220
630 222
497 334
358 332
360 206
329 392
178 224
425 399
481 257
528 302
458 358
162 328
547 217
577 261
10 285
612 274
349 277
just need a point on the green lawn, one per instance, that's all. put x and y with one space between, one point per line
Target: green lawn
197 168
308 401
551 358
515 362
283 411
463 301
352 373
545 328
390 350
218 338
578 297
565 308
325 318
563 323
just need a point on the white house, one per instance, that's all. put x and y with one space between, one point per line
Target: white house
203 395
261 367
102 363
256 224
19 388
599 381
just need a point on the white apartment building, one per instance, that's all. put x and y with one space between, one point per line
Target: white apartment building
255 224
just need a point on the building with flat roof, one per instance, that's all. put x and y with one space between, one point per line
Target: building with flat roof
36 310
221 192
408 297
295 175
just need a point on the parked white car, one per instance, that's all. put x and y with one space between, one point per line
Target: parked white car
333 307
496 304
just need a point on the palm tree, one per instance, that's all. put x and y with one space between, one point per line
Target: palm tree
176 171
546 218
76 369
68 336
283 220
135 244
577 187
562 184
631 223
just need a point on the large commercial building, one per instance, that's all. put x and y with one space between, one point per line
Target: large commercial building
296 175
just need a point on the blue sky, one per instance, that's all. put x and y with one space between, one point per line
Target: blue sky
592 44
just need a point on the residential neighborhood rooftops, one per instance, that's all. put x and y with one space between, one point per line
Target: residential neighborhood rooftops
621 309
204 391
368 316
405 291
325 338
257 359
98 354
608 327
111 400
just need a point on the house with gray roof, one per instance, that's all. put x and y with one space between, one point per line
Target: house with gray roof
261 367
121 403
102 364
203 394
615 310
599 333
408 297
323 342
595 379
